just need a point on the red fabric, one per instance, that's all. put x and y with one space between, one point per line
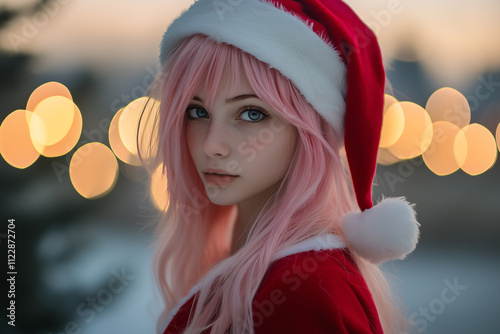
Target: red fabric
359 49
314 292
180 320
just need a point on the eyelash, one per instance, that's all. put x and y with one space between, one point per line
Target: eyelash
245 109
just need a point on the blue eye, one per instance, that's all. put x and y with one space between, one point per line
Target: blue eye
253 115
194 112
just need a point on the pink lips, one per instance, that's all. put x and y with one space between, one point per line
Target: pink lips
218 177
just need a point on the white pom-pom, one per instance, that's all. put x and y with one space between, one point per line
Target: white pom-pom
387 231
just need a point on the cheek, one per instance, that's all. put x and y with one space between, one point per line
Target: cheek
278 154
193 140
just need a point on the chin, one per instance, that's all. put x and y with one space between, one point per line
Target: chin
221 196
223 201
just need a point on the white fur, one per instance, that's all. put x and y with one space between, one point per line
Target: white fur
320 242
385 232
275 37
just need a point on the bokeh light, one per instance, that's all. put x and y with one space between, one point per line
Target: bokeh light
482 149
15 140
498 136
393 122
128 124
385 157
67 143
136 126
148 132
158 189
45 91
131 125
52 120
52 124
448 149
448 104
93 170
117 145
417 132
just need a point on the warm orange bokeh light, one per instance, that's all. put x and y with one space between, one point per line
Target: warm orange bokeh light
158 189
393 122
15 141
498 136
93 170
448 104
148 131
481 149
417 132
385 157
460 148
448 149
52 120
128 126
117 145
47 90
68 142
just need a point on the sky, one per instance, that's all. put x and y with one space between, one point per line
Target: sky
455 40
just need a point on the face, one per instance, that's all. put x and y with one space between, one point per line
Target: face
240 147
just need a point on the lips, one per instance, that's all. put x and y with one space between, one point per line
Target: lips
217 171
218 177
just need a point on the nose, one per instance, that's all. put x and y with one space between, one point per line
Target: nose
217 141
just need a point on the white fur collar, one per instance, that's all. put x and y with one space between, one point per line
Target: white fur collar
320 242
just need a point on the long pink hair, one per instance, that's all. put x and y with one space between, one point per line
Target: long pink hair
193 235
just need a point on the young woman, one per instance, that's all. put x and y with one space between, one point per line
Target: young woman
266 230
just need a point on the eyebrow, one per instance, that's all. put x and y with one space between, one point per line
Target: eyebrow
232 99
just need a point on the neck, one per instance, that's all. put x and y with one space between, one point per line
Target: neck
248 211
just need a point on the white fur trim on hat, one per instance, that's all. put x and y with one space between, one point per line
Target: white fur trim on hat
387 231
277 38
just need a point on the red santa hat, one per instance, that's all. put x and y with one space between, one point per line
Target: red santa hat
334 60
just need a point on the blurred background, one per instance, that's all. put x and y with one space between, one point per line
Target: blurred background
82 204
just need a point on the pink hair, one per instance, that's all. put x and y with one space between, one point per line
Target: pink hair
193 238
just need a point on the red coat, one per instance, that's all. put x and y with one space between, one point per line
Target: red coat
307 291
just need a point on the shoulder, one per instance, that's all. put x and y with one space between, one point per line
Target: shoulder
315 291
